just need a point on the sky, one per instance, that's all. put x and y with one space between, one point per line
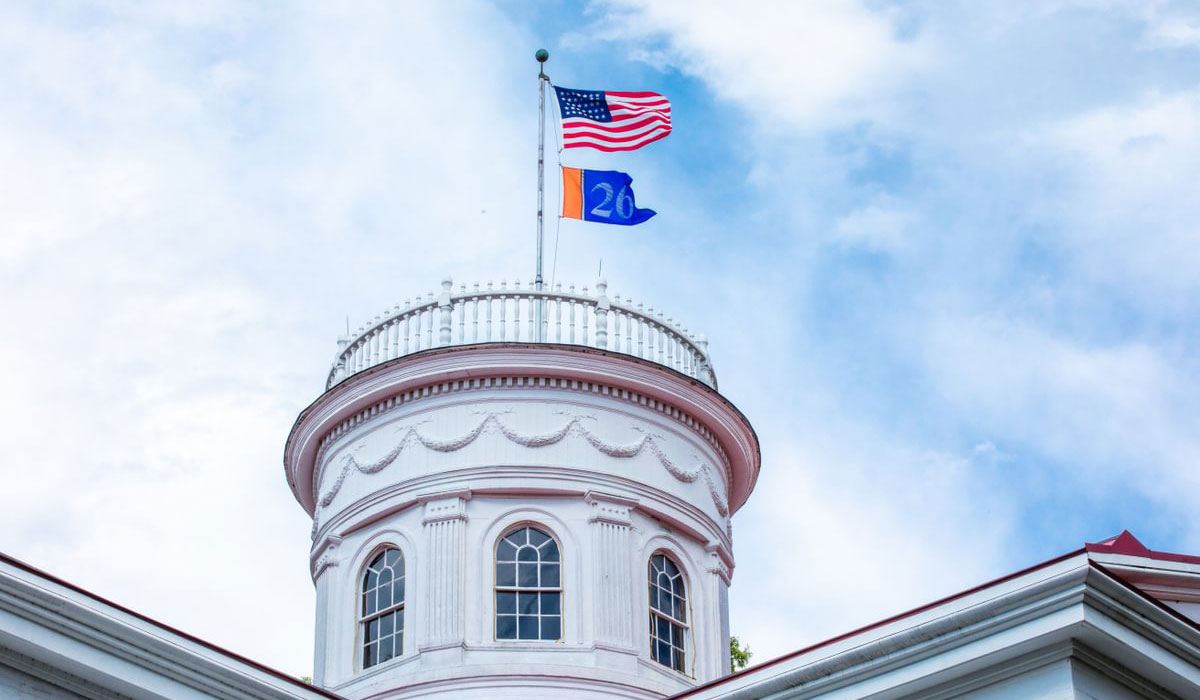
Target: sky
946 255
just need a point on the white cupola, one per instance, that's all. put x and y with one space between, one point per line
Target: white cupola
502 510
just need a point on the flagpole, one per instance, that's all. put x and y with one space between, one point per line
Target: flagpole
542 55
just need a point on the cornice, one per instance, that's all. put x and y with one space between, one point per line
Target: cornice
620 376
1071 583
79 617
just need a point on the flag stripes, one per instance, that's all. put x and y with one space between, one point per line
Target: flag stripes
612 121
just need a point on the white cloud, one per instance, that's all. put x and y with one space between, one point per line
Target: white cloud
877 227
807 65
1119 416
193 197
1131 207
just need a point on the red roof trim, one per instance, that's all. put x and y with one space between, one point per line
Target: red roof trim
1126 543
1158 603
144 618
881 623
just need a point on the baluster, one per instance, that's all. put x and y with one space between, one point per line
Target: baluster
532 315
641 328
651 336
558 313
571 315
475 315
662 344
688 354
516 304
617 316
444 310
586 310
602 307
490 301
517 316
704 370
404 329
373 346
503 312
393 339
461 308
673 347
430 325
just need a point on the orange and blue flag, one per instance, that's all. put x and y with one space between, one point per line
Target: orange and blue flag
603 196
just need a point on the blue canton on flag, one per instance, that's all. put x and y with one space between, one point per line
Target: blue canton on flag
589 104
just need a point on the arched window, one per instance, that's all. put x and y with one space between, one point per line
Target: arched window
668 612
528 586
382 617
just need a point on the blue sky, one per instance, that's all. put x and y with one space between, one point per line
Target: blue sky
945 254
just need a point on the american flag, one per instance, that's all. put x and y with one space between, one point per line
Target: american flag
612 121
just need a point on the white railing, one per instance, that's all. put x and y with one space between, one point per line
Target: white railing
499 313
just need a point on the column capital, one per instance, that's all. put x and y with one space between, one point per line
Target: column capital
324 555
610 509
445 506
719 562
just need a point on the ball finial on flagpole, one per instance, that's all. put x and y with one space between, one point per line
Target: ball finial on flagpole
542 55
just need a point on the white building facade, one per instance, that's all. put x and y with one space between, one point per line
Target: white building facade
500 512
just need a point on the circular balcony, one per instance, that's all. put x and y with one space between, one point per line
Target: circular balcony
503 313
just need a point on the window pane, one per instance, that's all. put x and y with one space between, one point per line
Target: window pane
527 554
551 627
393 556
506 574
398 591
385 577
506 627
680 609
664 652
506 602
527 575
506 551
527 627
527 603
551 603
537 537
549 575
386 625
368 603
385 597
550 551
368 656
373 629
370 580
386 651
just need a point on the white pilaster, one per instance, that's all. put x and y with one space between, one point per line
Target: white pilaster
445 546
610 525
